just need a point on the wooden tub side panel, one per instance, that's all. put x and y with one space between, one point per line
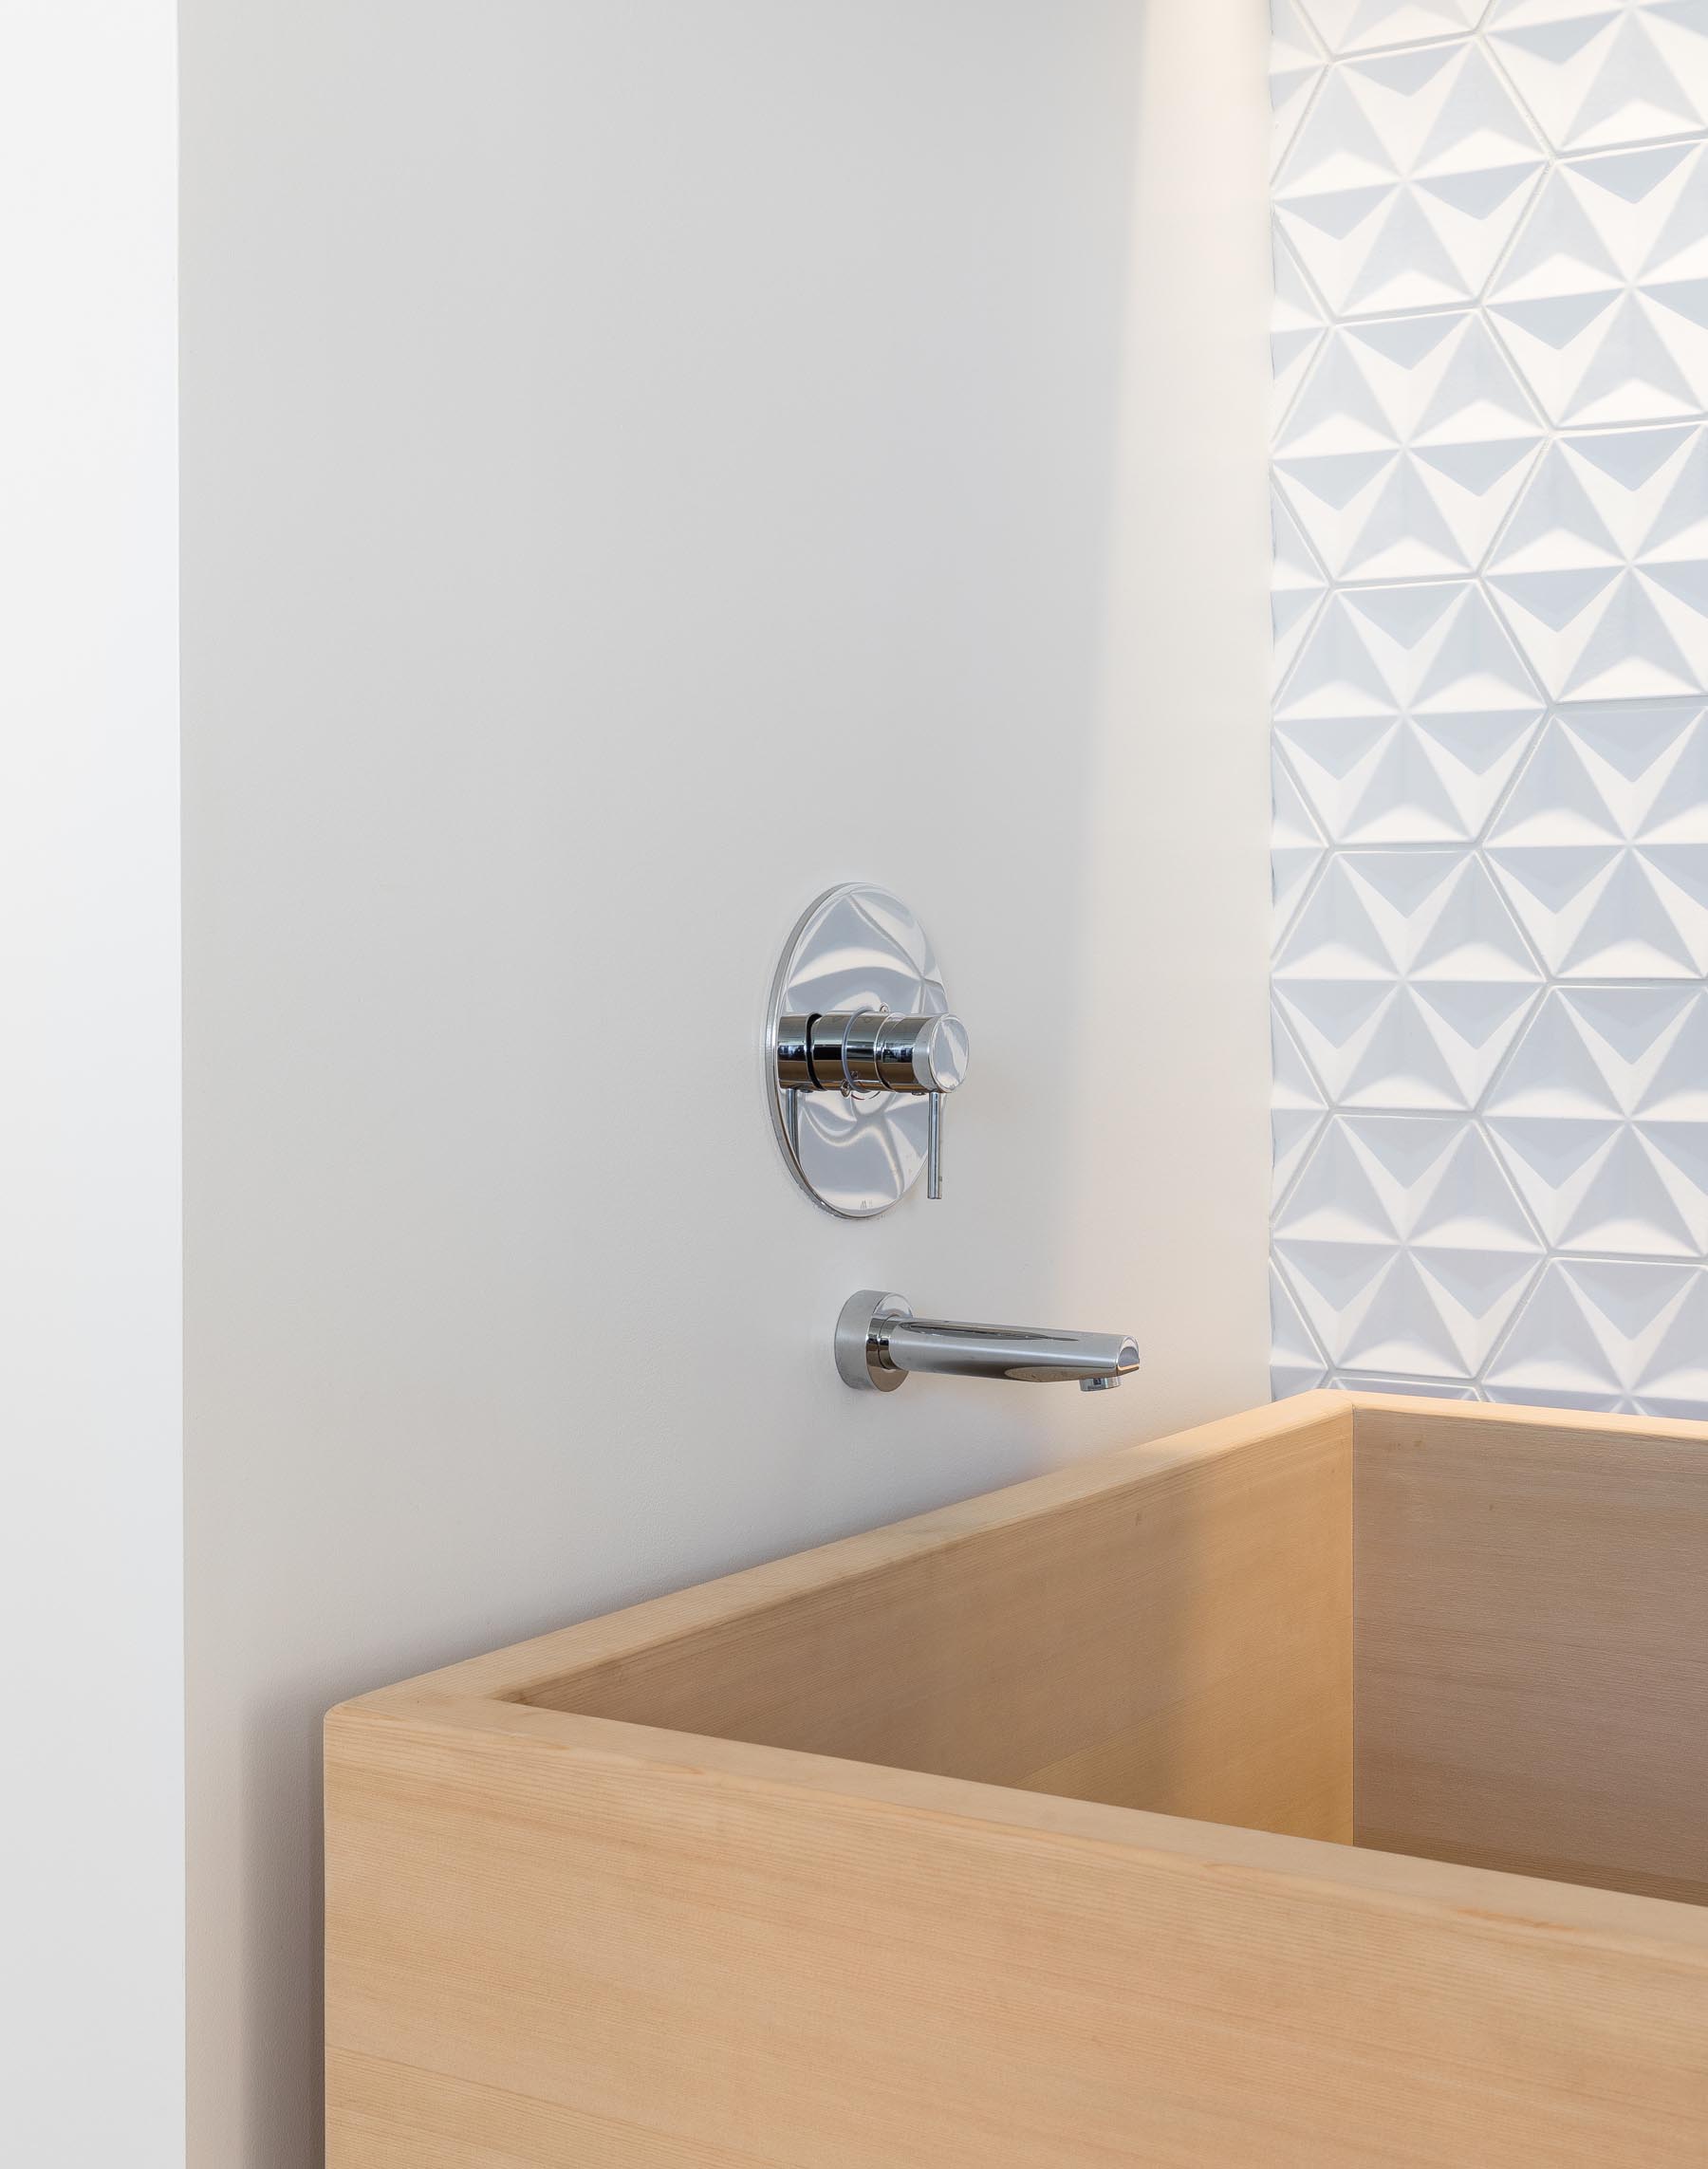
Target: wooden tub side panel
1531 1643
558 1942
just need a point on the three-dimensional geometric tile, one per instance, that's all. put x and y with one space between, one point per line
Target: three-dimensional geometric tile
1404 980
1406 447
1295 70
1406 714
1296 849
1296 1107
1406 179
1674 1377
1596 74
1603 570
1601 1117
1356 26
1491 776
1297 327
1295 1364
1298 586
1604 300
1405 1245
1597 1333
1602 847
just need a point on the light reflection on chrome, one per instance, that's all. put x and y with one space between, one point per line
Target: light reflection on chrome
858 948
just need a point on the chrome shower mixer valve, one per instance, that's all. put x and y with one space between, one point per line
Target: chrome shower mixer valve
861 1050
869 1050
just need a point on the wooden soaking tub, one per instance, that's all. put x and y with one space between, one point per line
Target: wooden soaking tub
1325 1785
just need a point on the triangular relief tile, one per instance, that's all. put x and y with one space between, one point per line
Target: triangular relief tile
1295 70
1590 1331
1296 1362
1406 715
1358 26
1406 179
1295 847
1598 75
1296 1105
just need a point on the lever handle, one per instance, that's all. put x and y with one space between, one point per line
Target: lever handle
869 1050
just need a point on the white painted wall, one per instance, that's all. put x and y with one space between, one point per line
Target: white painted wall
91 1566
645 460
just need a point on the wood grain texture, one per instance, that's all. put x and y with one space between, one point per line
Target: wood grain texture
1532 1645
567 1941
1178 1638
807 1867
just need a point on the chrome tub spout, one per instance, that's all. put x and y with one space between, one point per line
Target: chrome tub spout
878 1340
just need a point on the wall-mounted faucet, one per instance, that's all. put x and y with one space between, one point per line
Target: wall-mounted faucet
878 1340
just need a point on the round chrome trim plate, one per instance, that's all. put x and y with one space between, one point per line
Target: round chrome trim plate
857 947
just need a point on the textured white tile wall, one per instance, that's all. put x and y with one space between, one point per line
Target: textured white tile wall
1490 749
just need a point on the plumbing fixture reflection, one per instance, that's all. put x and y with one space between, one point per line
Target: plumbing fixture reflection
869 1050
860 1050
878 1340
